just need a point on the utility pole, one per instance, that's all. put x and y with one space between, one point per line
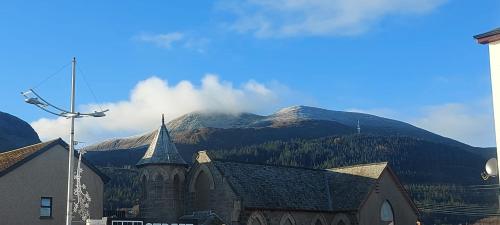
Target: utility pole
69 205
31 97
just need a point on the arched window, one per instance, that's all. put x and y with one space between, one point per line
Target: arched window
177 193
158 186
202 191
387 213
144 188
341 222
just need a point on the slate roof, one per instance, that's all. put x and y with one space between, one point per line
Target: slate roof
264 186
277 187
352 184
17 157
162 150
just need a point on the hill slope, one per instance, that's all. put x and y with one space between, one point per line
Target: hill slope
15 133
194 126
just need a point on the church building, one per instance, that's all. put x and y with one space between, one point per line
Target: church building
214 191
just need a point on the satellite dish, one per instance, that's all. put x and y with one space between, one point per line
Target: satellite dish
492 167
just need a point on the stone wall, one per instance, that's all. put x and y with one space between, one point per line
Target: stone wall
163 197
221 198
278 217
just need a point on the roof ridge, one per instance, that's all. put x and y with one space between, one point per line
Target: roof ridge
32 145
359 165
265 164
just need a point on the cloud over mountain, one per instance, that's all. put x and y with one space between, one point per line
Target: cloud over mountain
154 96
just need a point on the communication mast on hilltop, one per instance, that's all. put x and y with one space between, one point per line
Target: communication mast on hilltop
359 128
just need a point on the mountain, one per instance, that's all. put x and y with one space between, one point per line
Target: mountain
435 170
198 127
15 133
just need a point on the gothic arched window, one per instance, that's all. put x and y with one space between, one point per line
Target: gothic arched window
177 191
158 186
387 213
202 191
144 187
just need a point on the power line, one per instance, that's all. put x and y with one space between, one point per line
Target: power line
89 88
51 75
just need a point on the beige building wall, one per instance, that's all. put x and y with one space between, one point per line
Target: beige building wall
387 189
44 176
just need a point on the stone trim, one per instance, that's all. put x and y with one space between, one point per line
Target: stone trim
257 215
285 217
341 217
319 217
204 168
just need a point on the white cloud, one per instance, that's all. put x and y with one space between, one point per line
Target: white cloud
154 96
285 18
469 123
172 39
161 40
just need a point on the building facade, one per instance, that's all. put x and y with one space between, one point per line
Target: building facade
33 185
213 191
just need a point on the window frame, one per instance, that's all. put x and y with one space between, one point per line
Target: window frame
51 206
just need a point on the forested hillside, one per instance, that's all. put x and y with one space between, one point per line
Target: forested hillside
436 175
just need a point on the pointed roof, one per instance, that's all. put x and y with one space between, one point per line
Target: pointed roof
161 150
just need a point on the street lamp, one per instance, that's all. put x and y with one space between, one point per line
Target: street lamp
31 97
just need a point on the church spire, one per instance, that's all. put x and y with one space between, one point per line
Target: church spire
162 150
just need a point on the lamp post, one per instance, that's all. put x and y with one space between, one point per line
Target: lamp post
31 97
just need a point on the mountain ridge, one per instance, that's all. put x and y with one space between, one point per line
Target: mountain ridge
186 124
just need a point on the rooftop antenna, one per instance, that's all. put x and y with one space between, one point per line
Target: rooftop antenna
359 128
33 98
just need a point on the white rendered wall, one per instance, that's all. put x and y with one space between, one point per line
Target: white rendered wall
495 83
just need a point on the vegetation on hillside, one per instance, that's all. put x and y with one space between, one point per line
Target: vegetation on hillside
435 175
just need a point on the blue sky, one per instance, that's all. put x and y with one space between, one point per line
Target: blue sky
410 60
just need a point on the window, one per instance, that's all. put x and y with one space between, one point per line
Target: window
144 188
386 213
202 189
46 207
